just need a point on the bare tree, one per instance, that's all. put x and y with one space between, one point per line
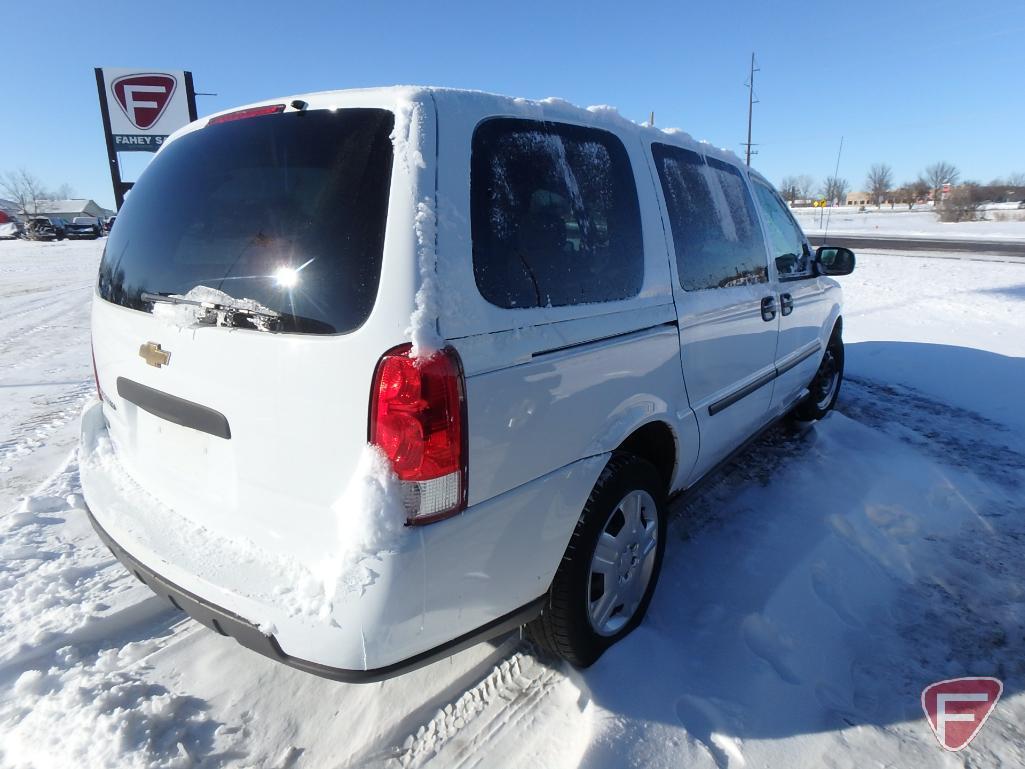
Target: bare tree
24 189
805 186
963 203
919 190
879 182
834 190
64 192
939 174
1016 179
799 187
788 189
912 192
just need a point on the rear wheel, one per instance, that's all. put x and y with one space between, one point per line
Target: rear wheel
825 386
607 577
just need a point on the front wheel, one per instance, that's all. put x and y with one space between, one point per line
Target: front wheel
607 577
825 386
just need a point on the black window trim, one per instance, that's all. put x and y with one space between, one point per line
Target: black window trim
584 309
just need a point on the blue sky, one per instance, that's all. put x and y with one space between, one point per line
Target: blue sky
905 82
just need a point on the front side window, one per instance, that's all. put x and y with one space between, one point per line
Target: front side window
715 233
786 243
554 215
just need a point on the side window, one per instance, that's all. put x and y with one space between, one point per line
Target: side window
716 235
554 215
786 242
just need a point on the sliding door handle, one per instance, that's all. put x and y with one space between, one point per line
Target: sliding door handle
786 304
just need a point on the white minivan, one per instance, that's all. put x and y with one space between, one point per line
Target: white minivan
383 373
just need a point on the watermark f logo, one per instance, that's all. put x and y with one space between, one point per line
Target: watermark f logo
957 708
143 98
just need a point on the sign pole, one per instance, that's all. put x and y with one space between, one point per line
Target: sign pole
115 168
190 92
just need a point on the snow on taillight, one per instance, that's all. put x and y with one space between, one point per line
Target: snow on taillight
418 419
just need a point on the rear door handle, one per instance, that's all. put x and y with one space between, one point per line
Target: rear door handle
768 308
786 304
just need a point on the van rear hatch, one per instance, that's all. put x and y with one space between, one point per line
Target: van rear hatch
226 332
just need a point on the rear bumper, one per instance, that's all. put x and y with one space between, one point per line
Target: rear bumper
249 635
447 586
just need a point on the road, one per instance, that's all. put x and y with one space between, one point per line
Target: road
1012 248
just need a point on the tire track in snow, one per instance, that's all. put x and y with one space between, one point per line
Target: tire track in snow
496 723
949 434
32 433
58 584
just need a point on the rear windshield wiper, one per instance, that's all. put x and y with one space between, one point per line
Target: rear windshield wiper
220 313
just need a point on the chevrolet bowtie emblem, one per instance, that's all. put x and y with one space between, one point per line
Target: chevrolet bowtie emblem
153 355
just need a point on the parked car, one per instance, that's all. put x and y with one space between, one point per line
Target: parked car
109 223
85 227
47 228
357 442
10 227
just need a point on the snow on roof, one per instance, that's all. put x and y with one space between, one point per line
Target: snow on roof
552 108
66 206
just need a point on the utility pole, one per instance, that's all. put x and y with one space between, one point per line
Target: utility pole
751 101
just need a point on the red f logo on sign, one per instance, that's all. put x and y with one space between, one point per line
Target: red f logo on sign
143 97
957 708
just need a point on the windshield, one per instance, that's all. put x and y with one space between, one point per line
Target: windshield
286 210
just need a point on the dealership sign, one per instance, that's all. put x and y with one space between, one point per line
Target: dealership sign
144 107
141 108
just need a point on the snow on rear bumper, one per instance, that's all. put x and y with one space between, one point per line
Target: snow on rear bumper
450 585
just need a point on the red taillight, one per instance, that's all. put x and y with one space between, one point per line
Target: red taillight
242 114
417 418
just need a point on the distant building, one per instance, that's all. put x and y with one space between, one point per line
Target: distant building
69 209
859 199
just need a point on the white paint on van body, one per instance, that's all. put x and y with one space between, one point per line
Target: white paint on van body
551 391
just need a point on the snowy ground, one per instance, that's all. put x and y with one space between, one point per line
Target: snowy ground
808 593
897 222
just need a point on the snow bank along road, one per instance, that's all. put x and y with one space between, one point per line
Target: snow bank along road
808 593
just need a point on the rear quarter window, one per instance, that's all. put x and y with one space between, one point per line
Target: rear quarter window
554 215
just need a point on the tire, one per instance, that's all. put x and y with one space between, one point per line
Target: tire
824 388
629 489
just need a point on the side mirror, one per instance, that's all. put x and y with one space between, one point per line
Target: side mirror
834 260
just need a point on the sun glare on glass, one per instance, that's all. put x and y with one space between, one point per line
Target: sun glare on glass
286 277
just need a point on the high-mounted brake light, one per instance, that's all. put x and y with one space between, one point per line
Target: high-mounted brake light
242 114
418 419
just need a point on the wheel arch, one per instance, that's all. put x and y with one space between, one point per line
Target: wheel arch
657 443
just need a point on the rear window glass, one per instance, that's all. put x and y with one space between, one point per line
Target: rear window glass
287 211
554 215
715 231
